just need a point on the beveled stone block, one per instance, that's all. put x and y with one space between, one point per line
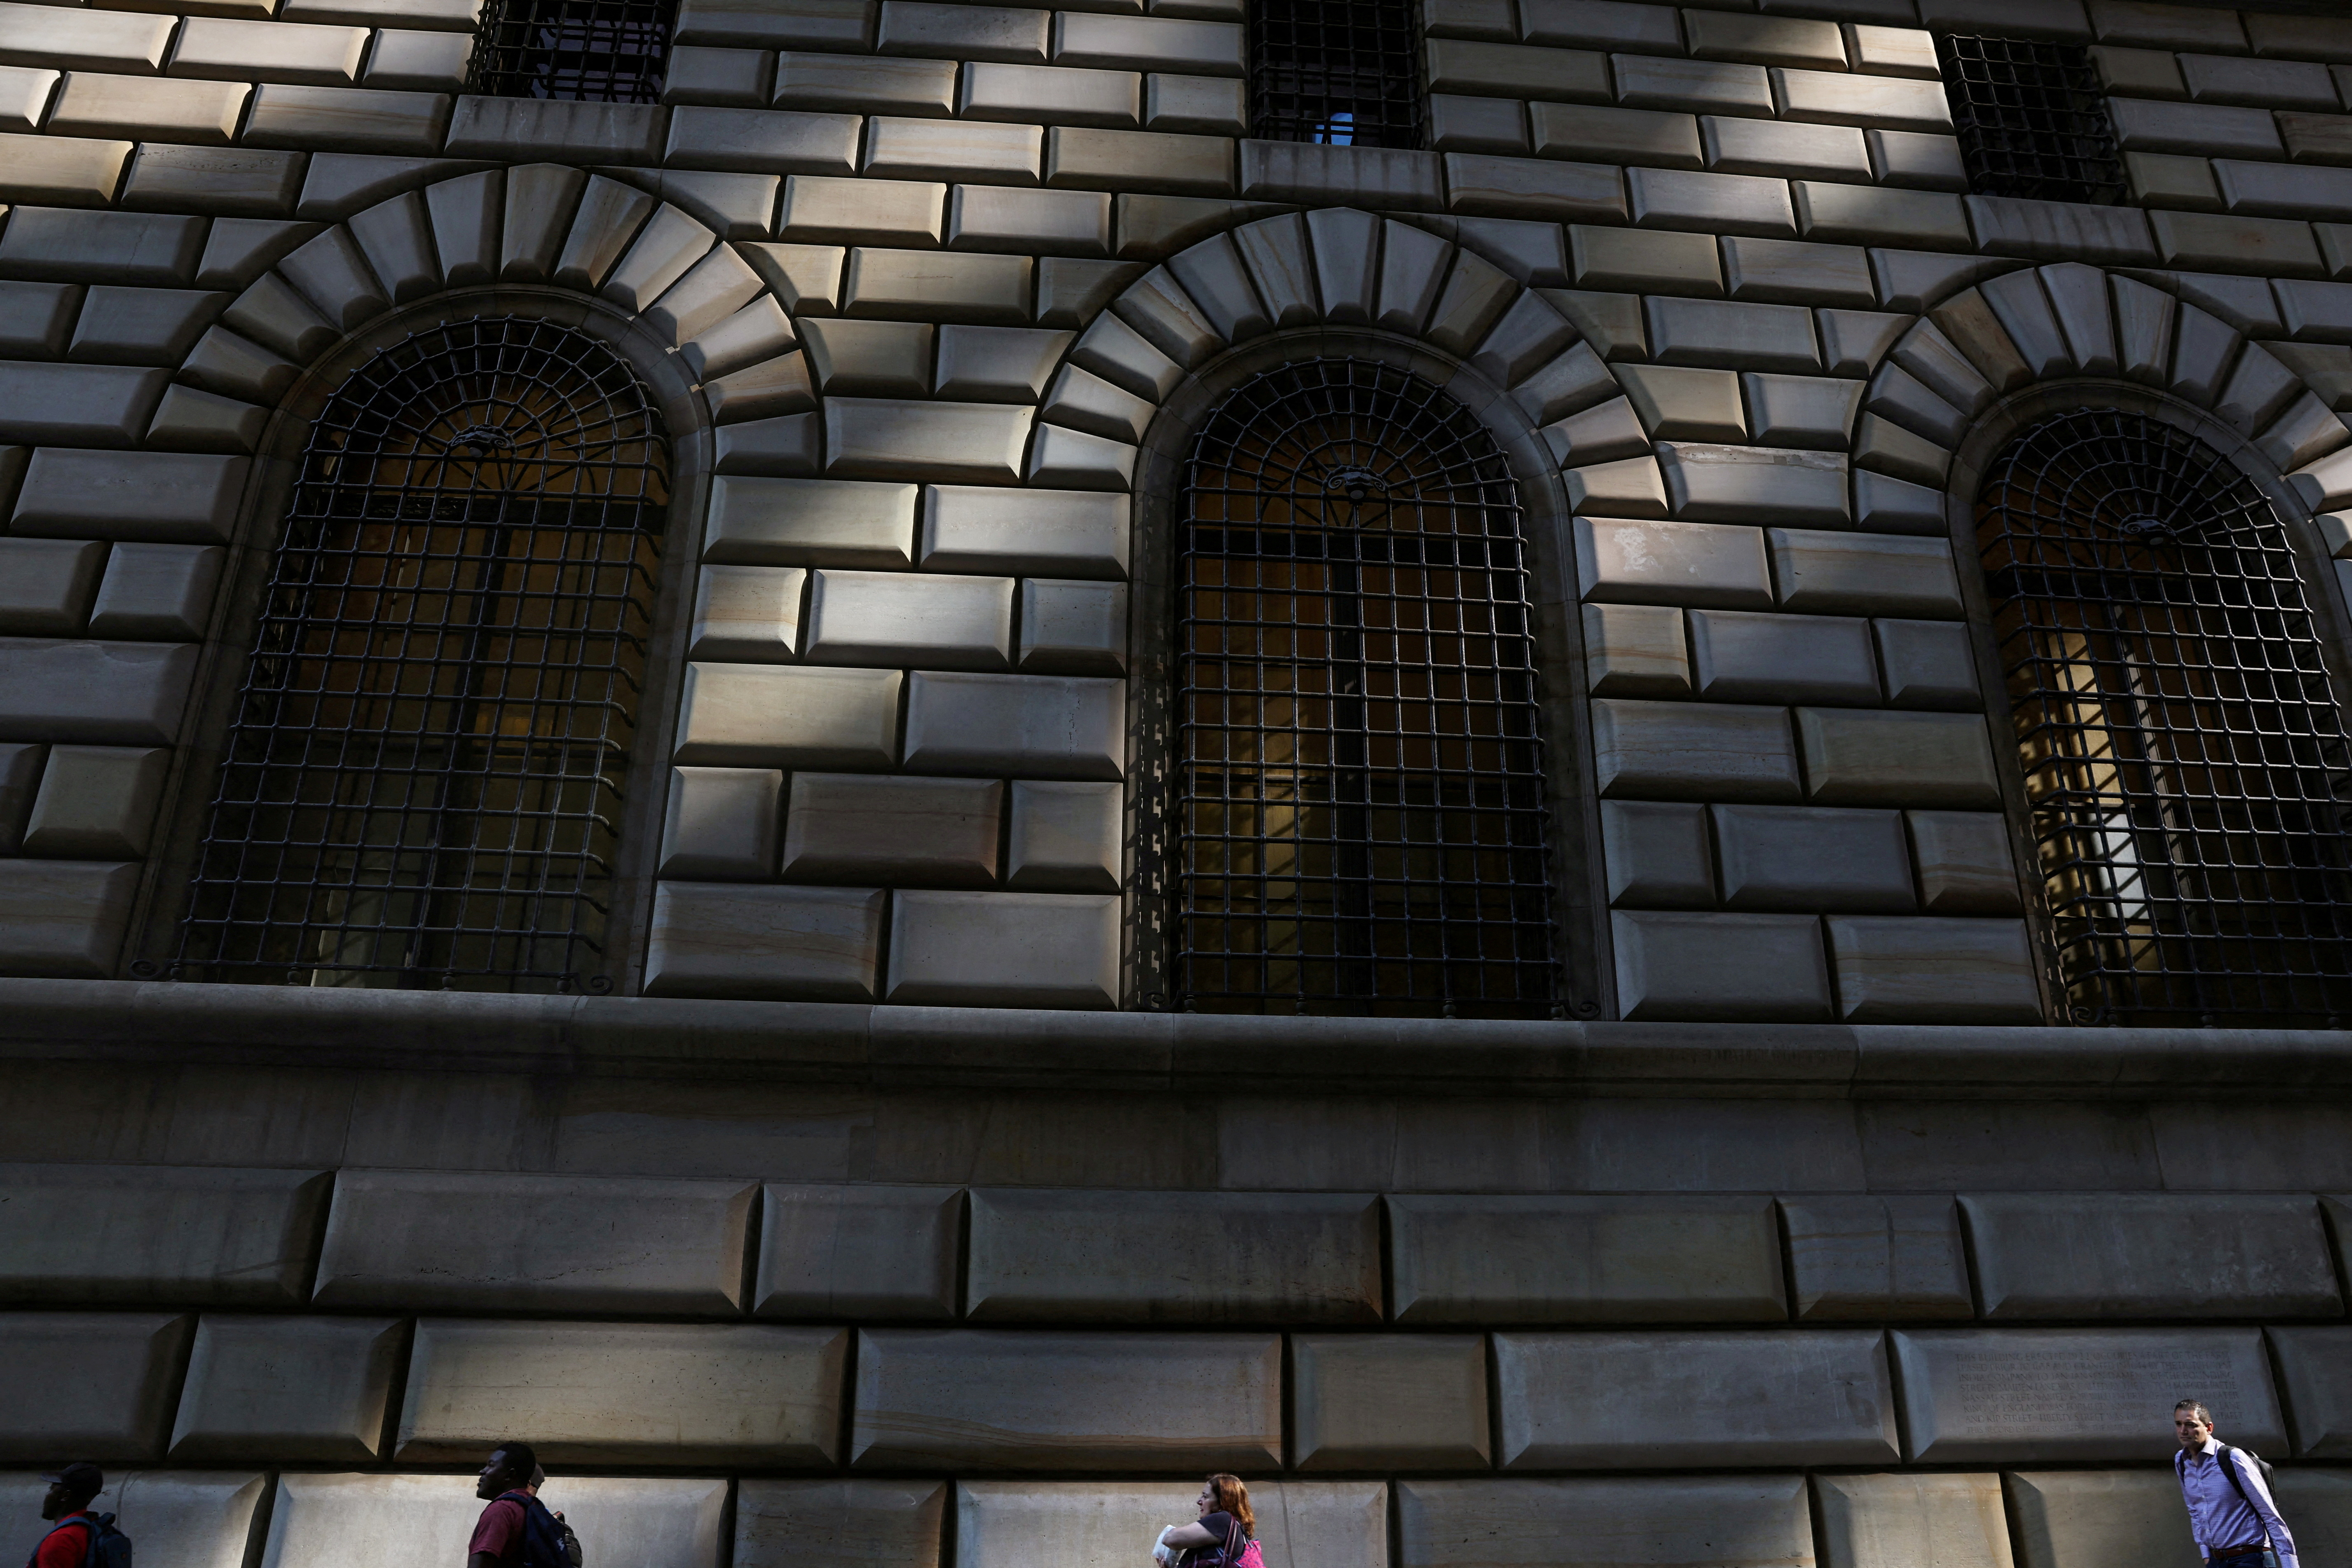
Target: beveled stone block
1856 758
754 715
1173 1257
1641 1401
275 1388
95 1383
860 828
2070 1394
720 824
1930 969
1093 1524
1695 1521
2315 1366
1065 837
1657 854
928 619
2117 1255
1040 726
838 1524
425 1519
1506 1258
1693 751
1744 657
1004 949
1049 533
888 1252
1911 1522
819 522
747 940
1812 858
1721 968
2075 1519
119 1235
1030 1401
1876 1257
428 1241
196 1519
624 1393
1380 1402
747 614
1711 565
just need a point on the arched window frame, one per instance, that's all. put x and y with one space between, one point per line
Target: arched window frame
2328 596
1579 899
167 880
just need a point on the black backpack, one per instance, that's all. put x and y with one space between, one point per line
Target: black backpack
108 1547
547 1540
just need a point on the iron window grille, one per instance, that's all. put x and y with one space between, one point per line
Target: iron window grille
424 778
603 51
1359 790
1344 72
2030 118
2184 757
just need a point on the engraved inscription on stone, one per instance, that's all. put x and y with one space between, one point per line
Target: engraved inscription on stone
2076 1395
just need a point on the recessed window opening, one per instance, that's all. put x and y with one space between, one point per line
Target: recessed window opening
2186 771
2030 118
604 51
1342 72
1358 792
423 779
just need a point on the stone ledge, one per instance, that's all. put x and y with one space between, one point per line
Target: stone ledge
912 1047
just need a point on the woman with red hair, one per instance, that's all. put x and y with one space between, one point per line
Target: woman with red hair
1224 1536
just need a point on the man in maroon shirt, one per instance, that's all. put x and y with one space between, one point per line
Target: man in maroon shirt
72 1489
497 1534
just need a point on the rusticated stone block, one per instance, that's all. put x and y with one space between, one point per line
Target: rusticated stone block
1033 1401
748 940
1380 1402
818 522
434 1240
2071 1395
194 1519
2074 1519
2117 1255
1862 758
97 1384
1481 1259
1174 1257
866 1252
1693 751
1875 1259
1717 566
754 715
275 1388
1696 1521
643 1522
838 1524
692 1393
1812 858
99 694
1929 969
1086 1524
1038 726
116 1235
1911 1522
1721 968
1640 1401
1004 949
64 918
2316 1367
857 827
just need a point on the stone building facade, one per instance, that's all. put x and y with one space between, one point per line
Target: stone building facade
1567 772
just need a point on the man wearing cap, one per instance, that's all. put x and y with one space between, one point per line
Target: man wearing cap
72 1489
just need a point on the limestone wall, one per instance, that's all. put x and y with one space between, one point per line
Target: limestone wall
933 295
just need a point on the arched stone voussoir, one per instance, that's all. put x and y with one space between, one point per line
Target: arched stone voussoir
2074 320
1333 266
539 225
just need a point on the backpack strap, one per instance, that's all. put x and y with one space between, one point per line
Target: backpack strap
2229 1468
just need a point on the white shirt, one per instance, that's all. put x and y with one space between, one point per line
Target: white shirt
2218 1516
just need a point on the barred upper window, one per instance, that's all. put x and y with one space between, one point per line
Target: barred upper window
423 785
2030 118
1359 790
2184 758
604 51
1345 72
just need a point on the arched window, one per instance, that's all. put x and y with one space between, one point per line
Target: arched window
1358 785
423 784
2183 754
604 51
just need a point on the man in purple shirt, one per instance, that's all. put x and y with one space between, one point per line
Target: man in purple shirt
2229 1508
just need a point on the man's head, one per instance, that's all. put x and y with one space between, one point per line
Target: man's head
71 1488
511 1465
2192 1424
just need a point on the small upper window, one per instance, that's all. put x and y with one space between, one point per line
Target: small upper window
604 51
2030 118
1343 72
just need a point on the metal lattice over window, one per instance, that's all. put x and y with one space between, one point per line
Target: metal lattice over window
604 51
423 786
2030 118
1345 72
1358 785
2184 758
